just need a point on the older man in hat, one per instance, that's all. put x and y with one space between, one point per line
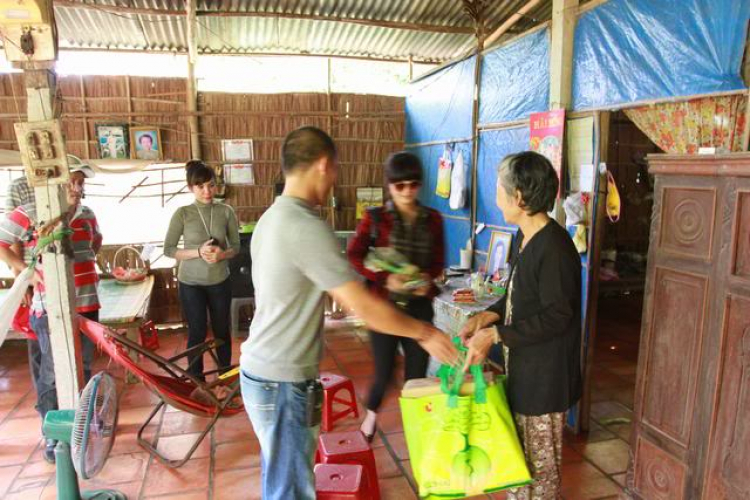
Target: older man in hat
22 226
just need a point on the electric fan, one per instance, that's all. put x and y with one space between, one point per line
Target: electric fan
84 438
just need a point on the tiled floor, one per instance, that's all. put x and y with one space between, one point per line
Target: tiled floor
226 466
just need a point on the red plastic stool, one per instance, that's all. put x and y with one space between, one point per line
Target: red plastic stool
340 482
350 447
332 384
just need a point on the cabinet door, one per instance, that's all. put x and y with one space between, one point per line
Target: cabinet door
729 456
679 307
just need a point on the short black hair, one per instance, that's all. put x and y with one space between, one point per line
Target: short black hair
197 172
534 177
403 166
305 146
150 138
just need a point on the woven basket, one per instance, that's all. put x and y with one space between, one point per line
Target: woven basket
133 270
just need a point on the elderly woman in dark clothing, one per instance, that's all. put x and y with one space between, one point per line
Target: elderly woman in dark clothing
538 322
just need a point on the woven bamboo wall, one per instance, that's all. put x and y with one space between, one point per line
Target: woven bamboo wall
366 128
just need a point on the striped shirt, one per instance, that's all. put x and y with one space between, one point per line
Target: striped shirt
18 226
19 193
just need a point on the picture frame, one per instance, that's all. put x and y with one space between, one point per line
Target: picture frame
112 140
239 174
498 251
237 150
145 143
368 197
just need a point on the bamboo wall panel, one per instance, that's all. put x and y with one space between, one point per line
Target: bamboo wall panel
366 128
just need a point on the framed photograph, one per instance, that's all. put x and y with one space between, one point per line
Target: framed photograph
145 143
237 150
368 197
113 140
499 251
239 174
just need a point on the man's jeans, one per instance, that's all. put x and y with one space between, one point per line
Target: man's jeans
279 412
42 366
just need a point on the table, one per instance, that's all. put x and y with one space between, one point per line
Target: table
451 316
123 307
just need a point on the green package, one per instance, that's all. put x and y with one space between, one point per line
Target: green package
462 446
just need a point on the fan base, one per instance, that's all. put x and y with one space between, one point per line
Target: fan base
103 495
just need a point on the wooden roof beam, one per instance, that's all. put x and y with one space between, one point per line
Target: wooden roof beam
508 24
379 23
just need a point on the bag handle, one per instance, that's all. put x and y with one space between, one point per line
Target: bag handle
452 377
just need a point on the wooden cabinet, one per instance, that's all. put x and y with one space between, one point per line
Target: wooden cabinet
691 438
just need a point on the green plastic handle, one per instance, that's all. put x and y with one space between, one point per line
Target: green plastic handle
452 377
47 240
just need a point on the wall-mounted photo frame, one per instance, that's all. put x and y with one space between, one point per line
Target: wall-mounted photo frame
112 140
368 197
498 251
239 174
145 143
237 150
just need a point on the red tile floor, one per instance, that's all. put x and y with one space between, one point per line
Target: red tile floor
226 466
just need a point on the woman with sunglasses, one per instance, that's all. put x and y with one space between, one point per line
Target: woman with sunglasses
417 233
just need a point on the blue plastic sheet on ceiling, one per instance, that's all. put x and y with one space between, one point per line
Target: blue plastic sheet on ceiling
439 107
430 155
494 145
635 50
515 79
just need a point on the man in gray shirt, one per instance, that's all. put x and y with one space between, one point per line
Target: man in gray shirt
296 259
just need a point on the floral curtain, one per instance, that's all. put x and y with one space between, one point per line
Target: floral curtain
683 127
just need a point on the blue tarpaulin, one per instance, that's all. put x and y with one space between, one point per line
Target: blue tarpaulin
515 79
439 107
633 50
456 231
493 147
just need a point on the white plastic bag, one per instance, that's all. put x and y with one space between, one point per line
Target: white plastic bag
458 183
575 209
12 300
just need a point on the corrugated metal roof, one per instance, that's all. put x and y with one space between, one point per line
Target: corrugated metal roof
94 26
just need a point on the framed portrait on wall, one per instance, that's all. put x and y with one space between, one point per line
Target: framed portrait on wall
368 197
239 174
145 143
112 139
237 150
499 251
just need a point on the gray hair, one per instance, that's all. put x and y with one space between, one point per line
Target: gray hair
533 176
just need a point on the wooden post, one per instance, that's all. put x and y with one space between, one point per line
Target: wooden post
84 109
475 139
129 95
598 213
332 202
476 11
51 202
564 15
561 52
192 93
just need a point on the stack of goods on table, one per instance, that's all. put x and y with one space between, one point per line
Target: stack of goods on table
464 295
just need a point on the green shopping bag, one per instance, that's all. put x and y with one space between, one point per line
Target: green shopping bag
461 446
